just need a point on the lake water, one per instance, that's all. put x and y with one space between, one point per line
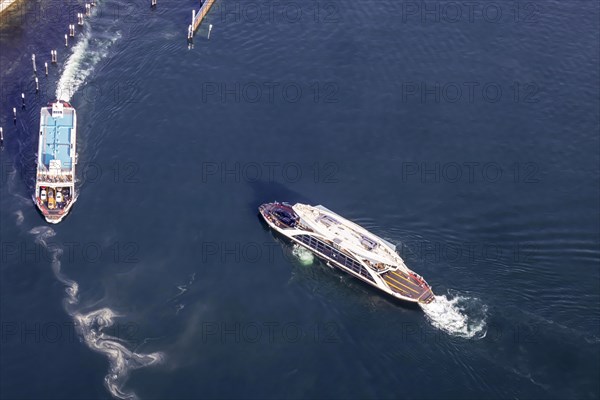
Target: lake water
465 134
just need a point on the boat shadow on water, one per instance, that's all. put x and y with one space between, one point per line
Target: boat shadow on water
268 191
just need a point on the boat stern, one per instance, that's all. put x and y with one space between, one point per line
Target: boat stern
408 285
427 297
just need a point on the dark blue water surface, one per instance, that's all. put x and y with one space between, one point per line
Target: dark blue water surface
465 134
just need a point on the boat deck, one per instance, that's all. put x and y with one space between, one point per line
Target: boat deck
348 235
407 286
56 136
345 243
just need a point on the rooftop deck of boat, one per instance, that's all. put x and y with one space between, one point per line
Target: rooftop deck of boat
348 235
56 138
407 286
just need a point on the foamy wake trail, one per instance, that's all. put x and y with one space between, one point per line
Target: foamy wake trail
304 255
74 74
20 217
458 315
42 234
122 360
86 54
91 326
11 179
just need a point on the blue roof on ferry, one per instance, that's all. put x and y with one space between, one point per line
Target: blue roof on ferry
58 139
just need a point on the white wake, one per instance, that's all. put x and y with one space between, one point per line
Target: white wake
304 255
86 54
121 359
458 315
91 326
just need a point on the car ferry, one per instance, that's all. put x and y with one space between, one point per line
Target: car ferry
349 247
55 175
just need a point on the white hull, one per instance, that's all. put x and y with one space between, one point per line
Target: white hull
348 247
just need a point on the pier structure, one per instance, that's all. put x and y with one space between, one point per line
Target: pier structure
5 5
197 17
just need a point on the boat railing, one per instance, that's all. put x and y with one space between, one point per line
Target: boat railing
49 179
